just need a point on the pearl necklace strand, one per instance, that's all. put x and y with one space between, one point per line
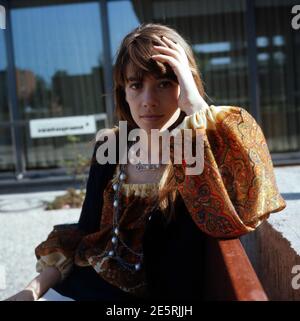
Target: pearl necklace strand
116 237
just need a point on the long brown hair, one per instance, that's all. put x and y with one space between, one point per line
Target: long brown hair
135 51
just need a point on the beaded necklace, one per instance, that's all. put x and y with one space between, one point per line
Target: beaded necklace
116 237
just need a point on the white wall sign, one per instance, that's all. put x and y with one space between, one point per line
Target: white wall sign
63 126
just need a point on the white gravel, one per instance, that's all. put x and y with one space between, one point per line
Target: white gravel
23 225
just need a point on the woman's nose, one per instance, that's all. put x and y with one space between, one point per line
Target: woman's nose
150 97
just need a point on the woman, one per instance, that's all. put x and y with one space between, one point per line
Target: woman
142 227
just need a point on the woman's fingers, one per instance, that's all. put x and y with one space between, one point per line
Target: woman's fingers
169 42
160 42
174 45
170 60
168 51
173 49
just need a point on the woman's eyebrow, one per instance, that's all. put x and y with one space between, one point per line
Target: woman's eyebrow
132 78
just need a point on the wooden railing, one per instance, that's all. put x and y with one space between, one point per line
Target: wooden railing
229 274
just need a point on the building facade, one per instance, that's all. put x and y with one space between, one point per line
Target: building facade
56 61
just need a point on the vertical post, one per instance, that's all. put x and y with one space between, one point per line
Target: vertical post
107 63
252 60
18 147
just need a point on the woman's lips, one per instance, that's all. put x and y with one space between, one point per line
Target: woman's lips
151 117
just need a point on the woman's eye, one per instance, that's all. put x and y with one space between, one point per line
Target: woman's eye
135 85
165 83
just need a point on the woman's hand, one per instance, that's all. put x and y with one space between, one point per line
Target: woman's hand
47 279
172 53
24 295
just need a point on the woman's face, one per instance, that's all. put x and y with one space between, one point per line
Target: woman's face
153 101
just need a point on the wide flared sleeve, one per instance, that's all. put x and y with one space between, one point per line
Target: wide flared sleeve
60 247
237 189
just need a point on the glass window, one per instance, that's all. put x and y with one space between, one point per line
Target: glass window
4 114
59 71
6 151
279 74
122 19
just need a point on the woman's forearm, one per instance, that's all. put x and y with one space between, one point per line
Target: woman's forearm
48 278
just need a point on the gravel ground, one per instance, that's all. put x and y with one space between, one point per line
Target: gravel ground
23 225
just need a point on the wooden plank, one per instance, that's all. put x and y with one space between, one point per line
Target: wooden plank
229 274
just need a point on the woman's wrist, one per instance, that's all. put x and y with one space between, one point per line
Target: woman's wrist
44 281
32 289
195 107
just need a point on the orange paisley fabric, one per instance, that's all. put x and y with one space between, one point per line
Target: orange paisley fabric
237 189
